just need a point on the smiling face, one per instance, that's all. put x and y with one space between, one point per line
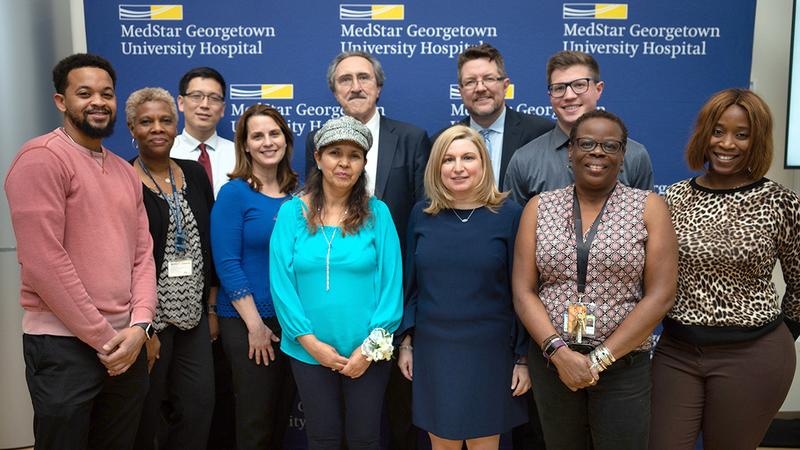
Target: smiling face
341 163
571 106
88 102
462 169
202 116
727 152
265 143
154 129
356 88
595 169
484 101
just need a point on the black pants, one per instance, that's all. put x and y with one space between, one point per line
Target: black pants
335 405
76 404
264 394
403 435
181 391
614 414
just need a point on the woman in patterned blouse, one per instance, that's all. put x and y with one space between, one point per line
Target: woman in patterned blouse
178 199
594 272
726 359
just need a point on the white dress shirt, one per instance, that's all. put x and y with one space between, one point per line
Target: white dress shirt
374 126
221 153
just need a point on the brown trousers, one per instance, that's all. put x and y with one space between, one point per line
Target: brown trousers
728 392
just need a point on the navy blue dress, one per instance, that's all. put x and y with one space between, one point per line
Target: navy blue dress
459 309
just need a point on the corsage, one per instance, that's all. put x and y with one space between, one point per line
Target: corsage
378 345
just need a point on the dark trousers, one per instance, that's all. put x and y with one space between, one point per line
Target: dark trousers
264 394
729 392
335 405
403 435
614 414
181 395
223 421
76 404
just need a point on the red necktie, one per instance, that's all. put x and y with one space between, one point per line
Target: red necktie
205 161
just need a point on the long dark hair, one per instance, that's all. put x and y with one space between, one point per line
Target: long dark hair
358 212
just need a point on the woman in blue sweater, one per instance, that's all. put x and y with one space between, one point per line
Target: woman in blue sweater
335 275
241 225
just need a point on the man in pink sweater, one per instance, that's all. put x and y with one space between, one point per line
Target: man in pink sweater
87 273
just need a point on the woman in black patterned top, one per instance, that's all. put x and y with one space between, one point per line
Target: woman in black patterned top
178 199
726 359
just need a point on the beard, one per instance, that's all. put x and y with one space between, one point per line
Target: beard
81 122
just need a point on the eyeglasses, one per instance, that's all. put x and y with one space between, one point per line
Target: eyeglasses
198 97
579 86
589 144
347 81
488 82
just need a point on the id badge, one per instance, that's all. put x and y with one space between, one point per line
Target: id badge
179 268
576 319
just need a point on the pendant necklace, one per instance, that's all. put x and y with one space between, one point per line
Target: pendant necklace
329 242
463 220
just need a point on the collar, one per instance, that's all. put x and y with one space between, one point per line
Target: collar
497 126
190 141
558 140
374 122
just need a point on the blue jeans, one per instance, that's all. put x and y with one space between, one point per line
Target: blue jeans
614 414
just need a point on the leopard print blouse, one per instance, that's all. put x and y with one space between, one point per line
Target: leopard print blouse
729 241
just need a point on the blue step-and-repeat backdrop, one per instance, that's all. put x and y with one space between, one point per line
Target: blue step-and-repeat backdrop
660 60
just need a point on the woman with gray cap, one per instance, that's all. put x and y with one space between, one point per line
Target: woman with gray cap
335 276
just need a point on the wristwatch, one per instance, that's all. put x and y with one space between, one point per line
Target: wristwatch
149 331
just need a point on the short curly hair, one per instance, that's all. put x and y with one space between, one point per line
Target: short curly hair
79 60
148 94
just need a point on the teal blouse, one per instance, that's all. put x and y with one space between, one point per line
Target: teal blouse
365 280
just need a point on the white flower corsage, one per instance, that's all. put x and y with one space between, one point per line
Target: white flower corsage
378 345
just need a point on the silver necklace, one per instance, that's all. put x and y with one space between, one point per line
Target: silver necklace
463 220
330 243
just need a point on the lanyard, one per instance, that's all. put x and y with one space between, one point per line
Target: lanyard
582 246
180 236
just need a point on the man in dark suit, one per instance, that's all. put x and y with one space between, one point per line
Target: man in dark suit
395 169
482 81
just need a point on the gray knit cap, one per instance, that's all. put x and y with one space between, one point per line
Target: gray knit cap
341 129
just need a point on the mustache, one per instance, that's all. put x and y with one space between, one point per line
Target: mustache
97 110
355 96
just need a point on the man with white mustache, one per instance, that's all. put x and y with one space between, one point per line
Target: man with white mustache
574 86
482 82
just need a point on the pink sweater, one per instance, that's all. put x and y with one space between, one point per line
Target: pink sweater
83 244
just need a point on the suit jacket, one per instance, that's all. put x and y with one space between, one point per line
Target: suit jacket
519 129
403 151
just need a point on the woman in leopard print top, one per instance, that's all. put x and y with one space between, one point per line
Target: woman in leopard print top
726 359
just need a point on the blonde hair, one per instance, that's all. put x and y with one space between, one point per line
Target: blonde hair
485 192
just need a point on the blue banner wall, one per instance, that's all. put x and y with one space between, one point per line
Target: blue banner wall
660 60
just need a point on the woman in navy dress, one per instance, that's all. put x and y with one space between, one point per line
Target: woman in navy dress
462 345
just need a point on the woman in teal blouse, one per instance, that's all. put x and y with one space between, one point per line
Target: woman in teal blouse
335 276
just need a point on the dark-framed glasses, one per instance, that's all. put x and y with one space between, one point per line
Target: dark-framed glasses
488 82
198 97
579 86
589 144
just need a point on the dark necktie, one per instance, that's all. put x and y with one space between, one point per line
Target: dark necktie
205 161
